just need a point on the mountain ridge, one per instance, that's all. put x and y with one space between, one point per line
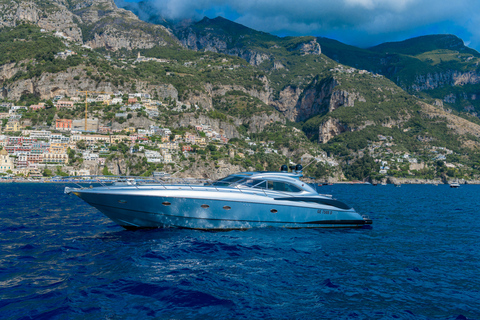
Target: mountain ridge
249 80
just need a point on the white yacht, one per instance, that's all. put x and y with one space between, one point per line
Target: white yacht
239 201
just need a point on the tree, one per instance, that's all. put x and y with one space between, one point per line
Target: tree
59 172
258 167
105 171
123 147
71 153
362 168
320 170
212 147
81 145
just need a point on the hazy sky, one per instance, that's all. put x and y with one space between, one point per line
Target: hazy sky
361 23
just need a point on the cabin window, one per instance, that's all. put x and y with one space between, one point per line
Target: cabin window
225 182
282 186
257 184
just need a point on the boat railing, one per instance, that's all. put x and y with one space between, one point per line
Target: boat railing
134 181
165 182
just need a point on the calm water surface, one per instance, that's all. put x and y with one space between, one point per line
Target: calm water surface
62 259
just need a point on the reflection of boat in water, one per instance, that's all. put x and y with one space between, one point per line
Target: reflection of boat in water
239 201
397 185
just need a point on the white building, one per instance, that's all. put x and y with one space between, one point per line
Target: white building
14 109
153 156
80 172
117 101
58 138
90 156
37 134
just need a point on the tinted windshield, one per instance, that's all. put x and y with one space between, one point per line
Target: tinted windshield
253 183
270 185
282 186
229 180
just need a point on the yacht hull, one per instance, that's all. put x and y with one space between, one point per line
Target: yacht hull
211 211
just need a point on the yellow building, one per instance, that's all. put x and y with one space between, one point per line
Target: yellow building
130 129
91 139
55 157
202 142
5 161
13 127
58 148
119 138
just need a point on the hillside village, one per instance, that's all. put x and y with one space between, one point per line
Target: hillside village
75 147
32 150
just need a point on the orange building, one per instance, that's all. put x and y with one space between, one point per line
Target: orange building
63 124
37 106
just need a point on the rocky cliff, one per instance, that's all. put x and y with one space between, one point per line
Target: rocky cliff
320 97
309 47
214 43
431 81
49 85
315 99
49 15
256 123
97 23
224 36
330 129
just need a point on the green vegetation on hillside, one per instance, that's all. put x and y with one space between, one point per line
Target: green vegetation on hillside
425 66
27 42
240 104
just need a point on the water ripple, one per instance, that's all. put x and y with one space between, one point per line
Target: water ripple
62 259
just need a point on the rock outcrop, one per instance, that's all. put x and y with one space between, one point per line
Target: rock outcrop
286 101
214 43
320 97
330 129
315 99
106 26
448 78
49 85
258 122
223 127
224 36
309 47
50 17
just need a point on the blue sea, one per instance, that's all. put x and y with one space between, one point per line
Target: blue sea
62 259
